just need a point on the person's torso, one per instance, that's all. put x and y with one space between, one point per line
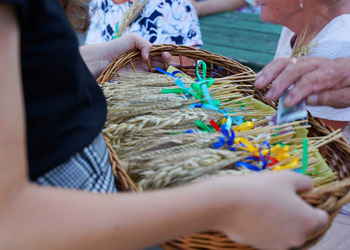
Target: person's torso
331 42
65 108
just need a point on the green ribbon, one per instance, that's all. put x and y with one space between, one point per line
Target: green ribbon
205 128
116 31
196 89
305 155
174 91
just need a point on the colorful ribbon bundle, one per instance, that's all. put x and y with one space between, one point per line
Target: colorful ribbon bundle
169 129
199 90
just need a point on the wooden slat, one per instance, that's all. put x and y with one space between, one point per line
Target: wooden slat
243 56
240 36
240 39
243 25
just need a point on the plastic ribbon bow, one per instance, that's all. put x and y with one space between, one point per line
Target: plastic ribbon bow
227 140
305 155
248 146
115 36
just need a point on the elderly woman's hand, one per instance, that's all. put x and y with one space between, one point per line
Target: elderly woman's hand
319 81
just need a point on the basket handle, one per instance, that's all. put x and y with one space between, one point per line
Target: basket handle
330 198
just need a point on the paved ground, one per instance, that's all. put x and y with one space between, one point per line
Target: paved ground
338 236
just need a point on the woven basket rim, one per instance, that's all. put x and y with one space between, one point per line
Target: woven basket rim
330 198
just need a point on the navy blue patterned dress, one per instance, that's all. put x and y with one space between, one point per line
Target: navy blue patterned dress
161 21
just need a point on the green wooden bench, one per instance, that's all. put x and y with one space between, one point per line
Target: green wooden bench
240 36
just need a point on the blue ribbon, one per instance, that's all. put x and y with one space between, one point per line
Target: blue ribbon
227 140
253 158
195 105
167 73
237 120
178 72
219 144
189 131
264 161
249 166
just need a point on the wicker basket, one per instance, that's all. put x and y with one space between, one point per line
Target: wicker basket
337 153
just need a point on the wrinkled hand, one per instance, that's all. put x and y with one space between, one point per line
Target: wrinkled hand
319 81
268 213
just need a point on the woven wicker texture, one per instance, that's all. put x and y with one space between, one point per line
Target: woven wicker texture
337 153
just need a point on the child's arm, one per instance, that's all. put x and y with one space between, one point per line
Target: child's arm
208 7
263 210
98 56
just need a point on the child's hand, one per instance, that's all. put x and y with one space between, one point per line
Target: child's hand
127 42
267 212
98 56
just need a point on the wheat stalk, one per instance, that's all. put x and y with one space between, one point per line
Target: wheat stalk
131 14
141 125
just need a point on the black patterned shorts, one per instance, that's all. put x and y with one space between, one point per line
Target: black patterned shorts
88 170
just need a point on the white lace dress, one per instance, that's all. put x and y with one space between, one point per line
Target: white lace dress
331 42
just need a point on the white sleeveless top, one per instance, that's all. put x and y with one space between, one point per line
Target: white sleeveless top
331 42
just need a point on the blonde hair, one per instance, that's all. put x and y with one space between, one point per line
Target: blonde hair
77 12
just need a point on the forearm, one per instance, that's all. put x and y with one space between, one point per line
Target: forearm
33 217
48 218
98 56
12 128
213 6
94 57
